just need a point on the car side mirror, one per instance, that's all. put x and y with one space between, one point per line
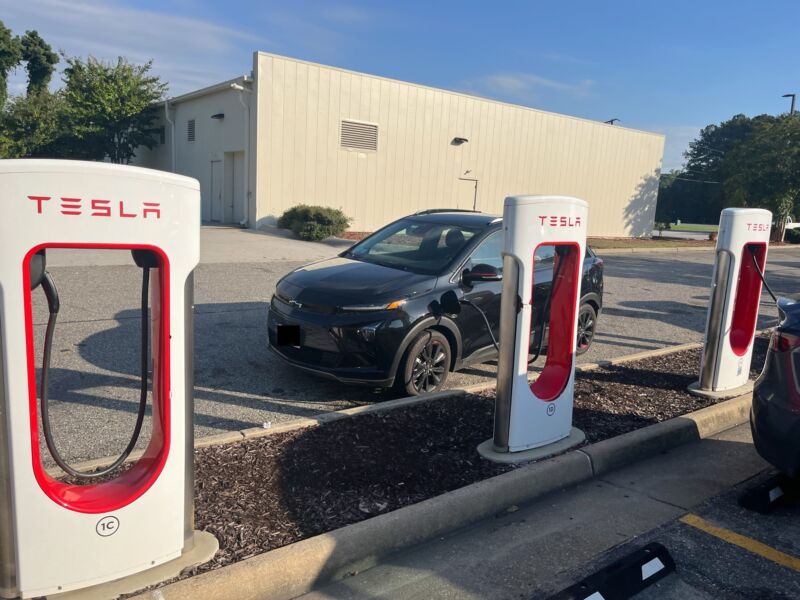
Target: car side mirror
449 303
479 273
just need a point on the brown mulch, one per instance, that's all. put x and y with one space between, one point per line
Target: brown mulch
262 494
356 236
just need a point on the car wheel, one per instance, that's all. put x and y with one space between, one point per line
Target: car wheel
587 322
425 365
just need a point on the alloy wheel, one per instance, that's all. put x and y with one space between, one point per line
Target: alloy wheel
429 367
586 325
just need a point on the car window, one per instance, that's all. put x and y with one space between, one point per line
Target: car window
544 255
414 245
488 252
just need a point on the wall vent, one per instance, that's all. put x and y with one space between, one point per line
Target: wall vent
190 131
359 136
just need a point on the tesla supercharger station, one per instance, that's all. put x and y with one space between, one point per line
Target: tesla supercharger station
58 534
538 415
741 253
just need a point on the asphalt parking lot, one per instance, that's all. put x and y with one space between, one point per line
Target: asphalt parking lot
651 300
724 551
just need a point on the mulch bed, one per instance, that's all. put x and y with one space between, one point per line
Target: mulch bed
266 493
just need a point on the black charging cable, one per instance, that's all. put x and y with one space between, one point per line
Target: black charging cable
485 320
53 304
546 310
760 272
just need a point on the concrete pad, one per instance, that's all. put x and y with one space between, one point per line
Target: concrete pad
696 390
204 548
514 554
690 474
575 438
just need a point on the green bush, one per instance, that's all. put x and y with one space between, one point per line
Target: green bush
313 223
661 226
792 236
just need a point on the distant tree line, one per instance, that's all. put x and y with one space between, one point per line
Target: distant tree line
744 161
104 111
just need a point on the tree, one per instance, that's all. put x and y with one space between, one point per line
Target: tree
10 55
111 108
764 169
34 126
40 61
706 154
695 193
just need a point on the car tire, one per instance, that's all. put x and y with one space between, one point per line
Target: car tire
425 365
587 323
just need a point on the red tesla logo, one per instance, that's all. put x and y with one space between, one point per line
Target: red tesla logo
97 207
758 227
556 221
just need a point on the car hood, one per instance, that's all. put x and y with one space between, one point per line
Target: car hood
345 282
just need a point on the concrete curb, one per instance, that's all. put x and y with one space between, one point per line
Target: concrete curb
638 356
296 569
616 452
674 249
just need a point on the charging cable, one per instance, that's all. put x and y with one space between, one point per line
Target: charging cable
546 310
485 320
752 249
53 304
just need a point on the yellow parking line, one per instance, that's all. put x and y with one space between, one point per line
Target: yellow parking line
749 544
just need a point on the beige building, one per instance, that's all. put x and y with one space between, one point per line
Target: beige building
296 132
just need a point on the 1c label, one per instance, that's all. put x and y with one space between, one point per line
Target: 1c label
107 526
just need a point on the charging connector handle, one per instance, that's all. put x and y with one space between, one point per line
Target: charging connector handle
50 291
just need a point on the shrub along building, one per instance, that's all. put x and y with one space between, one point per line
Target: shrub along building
295 132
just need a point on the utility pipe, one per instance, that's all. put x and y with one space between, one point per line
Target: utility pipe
173 141
246 105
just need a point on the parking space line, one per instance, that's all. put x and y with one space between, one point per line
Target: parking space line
749 544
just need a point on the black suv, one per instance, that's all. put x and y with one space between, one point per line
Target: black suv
775 414
373 316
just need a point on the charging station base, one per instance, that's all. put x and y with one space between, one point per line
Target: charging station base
694 389
575 438
204 549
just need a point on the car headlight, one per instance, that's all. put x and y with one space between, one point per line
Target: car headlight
374 307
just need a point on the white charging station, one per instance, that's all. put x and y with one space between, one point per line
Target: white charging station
57 535
741 253
538 415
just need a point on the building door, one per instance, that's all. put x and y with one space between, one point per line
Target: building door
217 207
467 196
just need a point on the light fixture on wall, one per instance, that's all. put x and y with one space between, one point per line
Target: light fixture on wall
218 116
457 141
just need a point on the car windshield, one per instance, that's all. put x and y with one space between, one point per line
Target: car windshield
414 245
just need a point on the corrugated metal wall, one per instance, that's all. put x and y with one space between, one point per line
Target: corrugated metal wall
511 150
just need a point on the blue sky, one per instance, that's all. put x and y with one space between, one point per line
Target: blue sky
669 67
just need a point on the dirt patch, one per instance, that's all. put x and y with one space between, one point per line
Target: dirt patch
262 494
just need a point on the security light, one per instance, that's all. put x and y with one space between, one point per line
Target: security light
457 141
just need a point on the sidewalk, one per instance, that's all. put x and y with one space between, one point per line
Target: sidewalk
537 550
